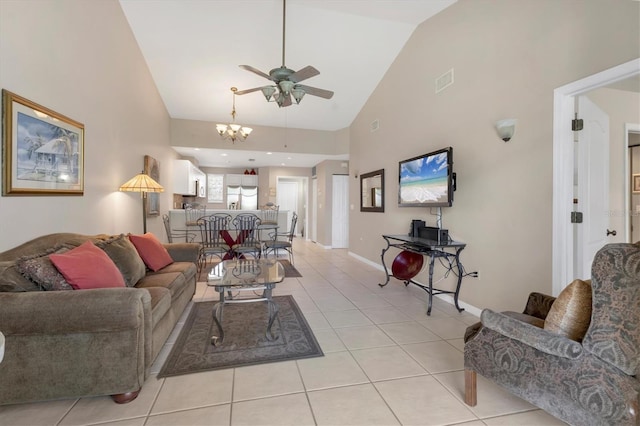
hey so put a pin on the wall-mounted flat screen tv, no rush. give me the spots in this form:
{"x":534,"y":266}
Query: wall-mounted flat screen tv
{"x":427,"y":180}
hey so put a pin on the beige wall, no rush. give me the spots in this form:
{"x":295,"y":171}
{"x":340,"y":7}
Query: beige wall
{"x":508,"y":58}
{"x":80,"y":59}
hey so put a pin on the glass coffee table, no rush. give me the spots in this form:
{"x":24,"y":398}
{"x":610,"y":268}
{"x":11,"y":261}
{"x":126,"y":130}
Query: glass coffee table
{"x":245,"y":281}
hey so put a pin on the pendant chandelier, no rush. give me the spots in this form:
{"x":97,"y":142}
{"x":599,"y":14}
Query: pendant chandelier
{"x":233,"y":131}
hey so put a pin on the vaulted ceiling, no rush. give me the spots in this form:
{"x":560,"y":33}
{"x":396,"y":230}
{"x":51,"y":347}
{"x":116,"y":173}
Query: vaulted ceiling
{"x":194,"y":48}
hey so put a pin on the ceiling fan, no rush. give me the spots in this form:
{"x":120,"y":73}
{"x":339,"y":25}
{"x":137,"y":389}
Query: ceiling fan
{"x":286,"y":80}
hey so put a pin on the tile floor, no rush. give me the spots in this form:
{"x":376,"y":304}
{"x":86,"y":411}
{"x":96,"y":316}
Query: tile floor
{"x":385,"y":363}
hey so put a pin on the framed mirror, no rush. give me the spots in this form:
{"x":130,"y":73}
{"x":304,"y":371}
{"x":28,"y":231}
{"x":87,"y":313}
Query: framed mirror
{"x":372,"y":191}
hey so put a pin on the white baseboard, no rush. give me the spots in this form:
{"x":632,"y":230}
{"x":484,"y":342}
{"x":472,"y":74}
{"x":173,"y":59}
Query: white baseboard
{"x":446,"y":297}
{"x":322,"y":246}
{"x":367,"y":261}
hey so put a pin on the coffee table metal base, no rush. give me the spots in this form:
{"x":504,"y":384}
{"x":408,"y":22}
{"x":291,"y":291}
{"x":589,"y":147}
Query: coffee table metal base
{"x":218,"y":309}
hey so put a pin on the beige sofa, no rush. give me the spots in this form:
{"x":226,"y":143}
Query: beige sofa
{"x":76,"y":343}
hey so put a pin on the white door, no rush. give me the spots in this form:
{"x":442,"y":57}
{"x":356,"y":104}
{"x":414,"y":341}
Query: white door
{"x":287,"y":198}
{"x":314,"y":212}
{"x":593,"y":185}
{"x":340,"y":212}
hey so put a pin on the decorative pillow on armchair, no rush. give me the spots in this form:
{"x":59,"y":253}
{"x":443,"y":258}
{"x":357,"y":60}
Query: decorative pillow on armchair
{"x":151,"y":250}
{"x":87,"y":266}
{"x":570,"y":313}
{"x":124,"y":255}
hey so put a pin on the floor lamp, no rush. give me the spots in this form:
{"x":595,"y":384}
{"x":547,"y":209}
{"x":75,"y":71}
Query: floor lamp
{"x":142,"y":183}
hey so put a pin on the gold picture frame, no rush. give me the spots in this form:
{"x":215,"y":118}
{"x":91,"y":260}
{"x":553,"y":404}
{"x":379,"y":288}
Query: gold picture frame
{"x":42,"y":150}
{"x":635,"y":183}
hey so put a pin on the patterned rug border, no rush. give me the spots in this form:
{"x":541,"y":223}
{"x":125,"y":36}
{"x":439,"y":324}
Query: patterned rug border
{"x":169,"y":367}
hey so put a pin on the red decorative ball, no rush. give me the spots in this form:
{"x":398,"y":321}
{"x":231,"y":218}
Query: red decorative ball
{"x":406,"y":265}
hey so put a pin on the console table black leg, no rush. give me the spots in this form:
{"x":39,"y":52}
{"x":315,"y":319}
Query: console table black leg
{"x":460,"y":271}
{"x":431,"y":262}
{"x":386,"y":271}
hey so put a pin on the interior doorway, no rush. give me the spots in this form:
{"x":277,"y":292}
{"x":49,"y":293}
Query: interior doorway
{"x":632,"y":134}
{"x":292,"y":196}
{"x":340,"y":211}
{"x":313,"y":235}
{"x":563,"y":250}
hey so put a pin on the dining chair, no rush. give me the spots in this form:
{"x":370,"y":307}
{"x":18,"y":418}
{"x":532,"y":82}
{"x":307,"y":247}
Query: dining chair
{"x":172,"y":233}
{"x":212,"y":229}
{"x":269,"y":214}
{"x":283,"y":240}
{"x":193,"y":212}
{"x":247,"y":235}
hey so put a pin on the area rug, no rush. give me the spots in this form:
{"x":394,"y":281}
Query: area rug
{"x":290,"y":271}
{"x":245,"y":342}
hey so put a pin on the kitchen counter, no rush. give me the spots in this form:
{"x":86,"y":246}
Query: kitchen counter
{"x":178,"y":219}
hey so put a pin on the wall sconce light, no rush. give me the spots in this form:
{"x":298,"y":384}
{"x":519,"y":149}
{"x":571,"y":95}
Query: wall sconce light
{"x":506,"y":128}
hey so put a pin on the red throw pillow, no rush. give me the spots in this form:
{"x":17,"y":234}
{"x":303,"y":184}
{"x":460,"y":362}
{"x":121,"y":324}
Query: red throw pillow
{"x":151,"y":250}
{"x":86,"y":266}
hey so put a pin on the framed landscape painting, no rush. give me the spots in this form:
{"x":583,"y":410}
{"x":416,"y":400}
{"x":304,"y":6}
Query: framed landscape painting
{"x":152,"y":169}
{"x":42,"y":150}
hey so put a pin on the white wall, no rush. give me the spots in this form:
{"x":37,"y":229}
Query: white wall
{"x":80,"y":59}
{"x":508,"y":57}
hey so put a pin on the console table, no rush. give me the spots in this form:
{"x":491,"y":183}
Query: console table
{"x":431,"y":249}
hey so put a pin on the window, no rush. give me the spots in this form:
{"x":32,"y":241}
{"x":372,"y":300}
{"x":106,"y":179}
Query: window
{"x":215,"y":188}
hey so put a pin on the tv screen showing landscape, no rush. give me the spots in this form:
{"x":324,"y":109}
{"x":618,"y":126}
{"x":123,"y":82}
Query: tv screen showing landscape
{"x":426,"y":180}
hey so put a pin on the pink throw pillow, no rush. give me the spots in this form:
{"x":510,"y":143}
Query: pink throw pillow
{"x":151,"y":250}
{"x":86,"y":266}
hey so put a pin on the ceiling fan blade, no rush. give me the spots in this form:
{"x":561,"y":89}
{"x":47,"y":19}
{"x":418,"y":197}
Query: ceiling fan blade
{"x":327,"y":94}
{"x":303,"y":74}
{"x":244,"y":92}
{"x":255,"y":71}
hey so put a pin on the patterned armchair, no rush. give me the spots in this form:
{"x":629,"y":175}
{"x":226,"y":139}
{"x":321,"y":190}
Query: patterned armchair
{"x":592,"y":382}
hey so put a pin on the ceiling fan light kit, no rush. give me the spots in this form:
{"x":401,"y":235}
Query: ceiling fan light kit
{"x":233,"y":131}
{"x":286,"y":80}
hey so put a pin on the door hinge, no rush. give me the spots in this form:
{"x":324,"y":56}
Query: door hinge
{"x":577,"y":124}
{"x":576,"y":217}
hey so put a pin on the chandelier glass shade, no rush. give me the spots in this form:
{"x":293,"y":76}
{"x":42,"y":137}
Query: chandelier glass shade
{"x":233,"y":131}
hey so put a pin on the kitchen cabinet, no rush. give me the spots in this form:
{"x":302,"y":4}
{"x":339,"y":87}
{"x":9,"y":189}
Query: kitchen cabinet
{"x":241,"y":180}
{"x":188,"y":179}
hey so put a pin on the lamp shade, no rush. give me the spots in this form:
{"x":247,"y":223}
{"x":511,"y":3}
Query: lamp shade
{"x":141,"y":183}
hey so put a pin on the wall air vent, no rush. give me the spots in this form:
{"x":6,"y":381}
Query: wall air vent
{"x":444,"y":81}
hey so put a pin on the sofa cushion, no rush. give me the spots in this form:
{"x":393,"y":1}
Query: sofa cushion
{"x":13,"y":280}
{"x":125,"y":256}
{"x":151,"y":250}
{"x":174,"y":281}
{"x":87,"y":266}
{"x":160,"y":303}
{"x":188,"y":269}
{"x":39,"y":269}
{"x":570,"y":313}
